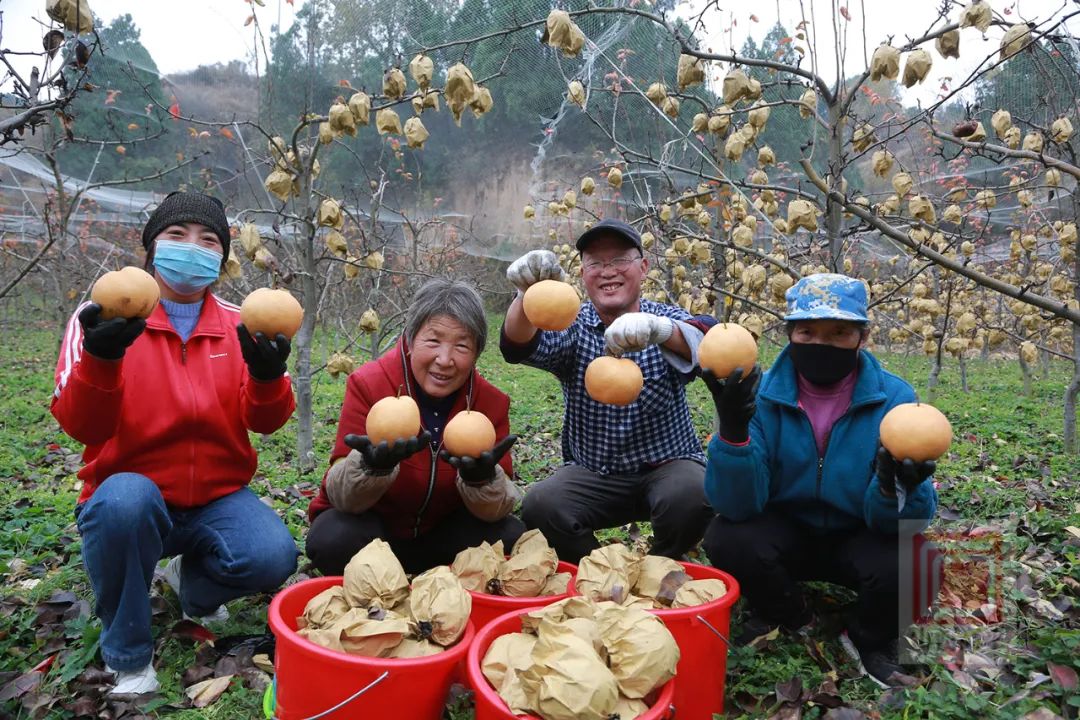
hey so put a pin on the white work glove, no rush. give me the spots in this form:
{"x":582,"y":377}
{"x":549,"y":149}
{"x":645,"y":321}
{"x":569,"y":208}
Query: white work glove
{"x":532,"y":267}
{"x":636,"y":331}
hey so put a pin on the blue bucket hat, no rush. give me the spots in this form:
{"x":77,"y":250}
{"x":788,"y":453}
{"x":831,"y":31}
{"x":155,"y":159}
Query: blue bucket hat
{"x":827,"y":296}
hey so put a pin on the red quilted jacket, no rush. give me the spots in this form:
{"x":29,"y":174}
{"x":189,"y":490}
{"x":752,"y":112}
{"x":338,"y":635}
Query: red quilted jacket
{"x":425,"y":490}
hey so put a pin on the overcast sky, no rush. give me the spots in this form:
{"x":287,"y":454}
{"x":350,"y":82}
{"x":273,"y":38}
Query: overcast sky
{"x":183,"y":35}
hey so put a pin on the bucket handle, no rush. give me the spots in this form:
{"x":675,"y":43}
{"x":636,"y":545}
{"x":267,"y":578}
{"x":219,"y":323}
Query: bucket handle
{"x":346,"y":701}
{"x":715,"y":631}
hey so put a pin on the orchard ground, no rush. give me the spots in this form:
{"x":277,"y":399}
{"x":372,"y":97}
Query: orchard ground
{"x":1004,"y":644}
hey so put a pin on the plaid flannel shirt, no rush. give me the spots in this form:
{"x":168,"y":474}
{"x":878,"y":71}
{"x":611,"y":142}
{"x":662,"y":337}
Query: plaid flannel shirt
{"x":611,"y":439}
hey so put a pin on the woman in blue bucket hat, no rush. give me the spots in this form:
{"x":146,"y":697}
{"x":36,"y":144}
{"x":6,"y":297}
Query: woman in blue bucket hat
{"x":803,"y":489}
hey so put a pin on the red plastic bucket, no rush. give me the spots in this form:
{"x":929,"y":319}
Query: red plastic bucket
{"x":489,"y":706}
{"x":703,"y":661}
{"x":486,"y":608}
{"x":312,"y":679}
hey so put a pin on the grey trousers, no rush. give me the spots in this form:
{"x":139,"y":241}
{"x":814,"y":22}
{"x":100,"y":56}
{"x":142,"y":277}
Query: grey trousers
{"x":574,"y":502}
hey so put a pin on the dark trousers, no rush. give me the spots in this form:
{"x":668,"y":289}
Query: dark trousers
{"x":336,"y":536}
{"x":574,"y":502}
{"x":770,"y":553}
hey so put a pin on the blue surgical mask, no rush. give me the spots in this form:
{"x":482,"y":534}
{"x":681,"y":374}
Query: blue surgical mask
{"x":185,"y":267}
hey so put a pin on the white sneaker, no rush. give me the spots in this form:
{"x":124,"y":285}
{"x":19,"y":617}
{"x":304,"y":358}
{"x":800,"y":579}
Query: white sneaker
{"x":171,"y":574}
{"x":135,"y":682}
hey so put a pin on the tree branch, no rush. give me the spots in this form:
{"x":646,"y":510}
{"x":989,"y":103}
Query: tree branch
{"x":1054,"y":307}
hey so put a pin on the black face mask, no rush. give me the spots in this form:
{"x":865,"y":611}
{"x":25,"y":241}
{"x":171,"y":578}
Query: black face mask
{"x":823,"y":364}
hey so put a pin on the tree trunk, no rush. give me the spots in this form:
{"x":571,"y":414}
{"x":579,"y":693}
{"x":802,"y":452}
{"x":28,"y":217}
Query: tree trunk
{"x":1025,"y":370}
{"x":1073,"y":388}
{"x":305,"y":411}
{"x":963,"y":374}
{"x":834,"y":215}
{"x":935,"y":373}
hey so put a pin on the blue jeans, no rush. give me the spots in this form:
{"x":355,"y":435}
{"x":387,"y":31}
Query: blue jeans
{"x":232,"y":547}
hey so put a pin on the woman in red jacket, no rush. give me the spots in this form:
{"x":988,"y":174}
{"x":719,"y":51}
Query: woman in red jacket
{"x":425,"y":503}
{"x":164,"y":406}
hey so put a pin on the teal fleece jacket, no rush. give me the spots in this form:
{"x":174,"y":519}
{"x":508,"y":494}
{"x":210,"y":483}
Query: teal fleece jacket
{"x":779,"y":466}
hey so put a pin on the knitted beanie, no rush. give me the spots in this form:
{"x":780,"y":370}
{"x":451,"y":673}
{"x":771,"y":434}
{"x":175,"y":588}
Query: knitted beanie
{"x":189,"y":207}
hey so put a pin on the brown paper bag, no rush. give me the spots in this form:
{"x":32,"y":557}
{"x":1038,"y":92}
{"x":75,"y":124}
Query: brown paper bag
{"x":653,"y":570}
{"x":413,"y":648}
{"x":699,"y":592}
{"x":608,"y":573}
{"x":324,"y":609}
{"x":629,"y":708}
{"x":440,"y":606}
{"x":375,"y":577}
{"x":885,"y":63}
{"x":372,"y":633}
{"x":507,"y":653}
{"x":567,"y":679}
{"x":329,"y":638}
{"x":475,"y":567}
{"x":74,"y":15}
{"x":641,"y":650}
{"x":557,"y":584}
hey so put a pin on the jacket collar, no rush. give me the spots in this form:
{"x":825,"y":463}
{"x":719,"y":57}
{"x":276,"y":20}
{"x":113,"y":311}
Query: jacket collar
{"x":210,"y":320}
{"x":781,"y":386}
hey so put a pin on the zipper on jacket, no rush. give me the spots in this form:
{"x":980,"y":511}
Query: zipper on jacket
{"x":183,"y":353}
{"x":820,"y":467}
{"x":430,"y":491}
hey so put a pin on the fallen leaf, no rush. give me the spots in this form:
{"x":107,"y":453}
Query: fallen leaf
{"x":1042,"y":714}
{"x":1073,"y":530}
{"x":203,"y":693}
{"x":27,"y":682}
{"x":787,"y":711}
{"x":844,"y":713}
{"x":790,"y":691}
{"x":1063,"y":675}
{"x":263,"y":662}
{"x":195,"y":674}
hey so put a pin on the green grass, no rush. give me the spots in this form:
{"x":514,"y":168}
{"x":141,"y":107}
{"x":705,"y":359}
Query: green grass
{"x":1006,"y":473}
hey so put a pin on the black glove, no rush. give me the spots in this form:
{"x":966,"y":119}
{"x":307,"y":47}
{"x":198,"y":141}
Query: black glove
{"x":480,"y":470}
{"x":382,"y":458}
{"x":108,"y":339}
{"x":265,"y":359}
{"x":736,"y":400}
{"x":909,"y":473}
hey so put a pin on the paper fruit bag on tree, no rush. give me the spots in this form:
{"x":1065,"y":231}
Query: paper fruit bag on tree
{"x":74,"y":15}
{"x":374,"y":577}
{"x":440,"y":606}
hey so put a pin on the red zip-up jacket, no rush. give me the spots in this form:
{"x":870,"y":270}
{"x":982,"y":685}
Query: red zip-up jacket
{"x":425,"y":490}
{"x":176,"y":412}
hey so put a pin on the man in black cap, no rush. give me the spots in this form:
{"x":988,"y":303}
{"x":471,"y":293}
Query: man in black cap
{"x":642,"y":461}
